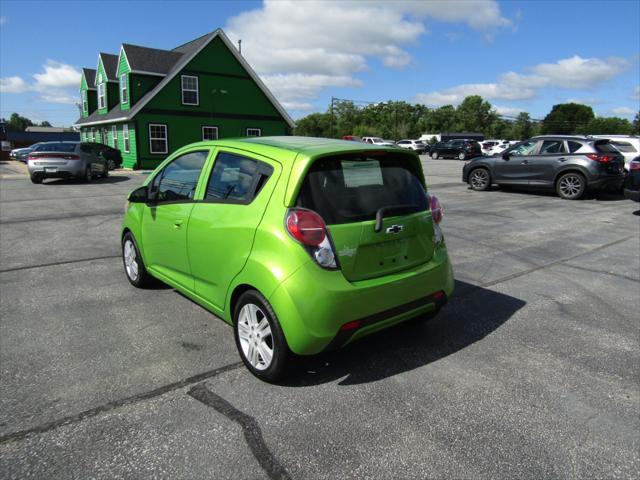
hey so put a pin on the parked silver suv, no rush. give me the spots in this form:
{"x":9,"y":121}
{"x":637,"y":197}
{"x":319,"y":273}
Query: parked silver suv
{"x":569,"y":164}
{"x":66,"y":160}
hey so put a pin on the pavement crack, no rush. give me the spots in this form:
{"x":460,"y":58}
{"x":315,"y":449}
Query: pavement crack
{"x":107,"y":407}
{"x":250,"y":428}
{"x":55,"y":264}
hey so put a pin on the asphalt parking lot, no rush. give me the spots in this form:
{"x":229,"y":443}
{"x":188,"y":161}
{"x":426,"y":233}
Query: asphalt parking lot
{"x":532,"y":370}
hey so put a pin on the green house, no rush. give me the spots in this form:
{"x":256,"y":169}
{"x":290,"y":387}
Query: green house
{"x":148,"y":102}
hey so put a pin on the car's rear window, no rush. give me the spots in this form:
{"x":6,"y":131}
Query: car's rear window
{"x":348,"y":189}
{"x":624,"y":146}
{"x":56,"y":147}
{"x":604,"y":146}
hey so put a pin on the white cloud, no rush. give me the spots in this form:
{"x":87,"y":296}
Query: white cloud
{"x":573,"y":73}
{"x":510,"y":111}
{"x":578,"y":72}
{"x":57,"y":75}
{"x":624,"y":111}
{"x":59,"y":97}
{"x":586,"y":101}
{"x":326,"y":42}
{"x":13,"y":85}
{"x":3,"y":20}
{"x":57,"y":84}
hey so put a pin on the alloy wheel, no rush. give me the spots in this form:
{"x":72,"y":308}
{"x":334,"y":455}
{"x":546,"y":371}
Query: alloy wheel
{"x":130,"y":260}
{"x":570,"y":186}
{"x":256,"y":338}
{"x":479,"y":179}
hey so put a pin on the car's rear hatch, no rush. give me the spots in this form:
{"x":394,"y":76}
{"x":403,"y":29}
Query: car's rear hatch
{"x":350,"y":190}
{"x":610,"y":157}
{"x":55,"y":154}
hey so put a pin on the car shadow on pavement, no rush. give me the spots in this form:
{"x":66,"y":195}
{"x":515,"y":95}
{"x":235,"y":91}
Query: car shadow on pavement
{"x":472,"y":313}
{"x":97,"y":181}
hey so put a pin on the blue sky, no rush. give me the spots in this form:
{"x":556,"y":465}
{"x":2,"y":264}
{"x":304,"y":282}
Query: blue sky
{"x":521,"y":56}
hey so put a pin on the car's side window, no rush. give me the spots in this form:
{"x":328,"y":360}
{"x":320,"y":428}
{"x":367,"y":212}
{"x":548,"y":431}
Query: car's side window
{"x":574,"y":146}
{"x":178,"y":180}
{"x":526,"y":148}
{"x":236,"y":179}
{"x":550,"y":147}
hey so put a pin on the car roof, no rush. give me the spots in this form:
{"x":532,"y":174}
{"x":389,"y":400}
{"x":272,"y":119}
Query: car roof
{"x":308,"y":146}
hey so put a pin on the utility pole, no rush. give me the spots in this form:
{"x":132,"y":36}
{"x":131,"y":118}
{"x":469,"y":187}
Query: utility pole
{"x":331,"y":130}
{"x":240,"y":46}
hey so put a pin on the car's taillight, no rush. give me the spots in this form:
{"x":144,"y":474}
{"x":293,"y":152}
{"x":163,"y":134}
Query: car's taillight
{"x":634,"y":166}
{"x":31,"y":157}
{"x":71,"y":157}
{"x":599,"y":157}
{"x":437,"y":211}
{"x":308,"y":228}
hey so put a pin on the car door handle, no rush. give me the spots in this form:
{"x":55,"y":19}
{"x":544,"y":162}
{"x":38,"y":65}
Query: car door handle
{"x":177,"y":223}
{"x":525,"y":162}
{"x":562,"y":159}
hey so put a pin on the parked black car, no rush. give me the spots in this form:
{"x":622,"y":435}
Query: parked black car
{"x":569,"y":164}
{"x":460,"y":149}
{"x":632,"y":183}
{"x":113,"y":156}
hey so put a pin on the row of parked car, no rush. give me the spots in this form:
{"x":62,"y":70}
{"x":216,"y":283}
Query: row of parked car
{"x":113,"y":156}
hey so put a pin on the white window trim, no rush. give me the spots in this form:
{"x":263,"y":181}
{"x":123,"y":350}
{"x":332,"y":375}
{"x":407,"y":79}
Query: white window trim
{"x":114,"y":135}
{"x":93,"y":134}
{"x":85,"y":102}
{"x":125,"y":138}
{"x":182,"y":89}
{"x":165,"y":139}
{"x":123,"y":88}
{"x":209,"y":126}
{"x":259,"y":130}
{"x":102,"y":99}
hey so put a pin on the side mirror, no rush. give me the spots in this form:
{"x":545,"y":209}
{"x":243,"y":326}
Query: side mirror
{"x":506,"y":155}
{"x":139,"y":195}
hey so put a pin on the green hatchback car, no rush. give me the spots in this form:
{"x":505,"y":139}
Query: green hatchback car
{"x":302,"y":244}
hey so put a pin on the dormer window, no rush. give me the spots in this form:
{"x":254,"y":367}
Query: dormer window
{"x":190,"y":90}
{"x":101,"y":96}
{"x":124,"y":93}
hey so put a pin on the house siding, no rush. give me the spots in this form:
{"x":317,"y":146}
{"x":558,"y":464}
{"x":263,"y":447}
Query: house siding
{"x":229,"y":99}
{"x":123,"y":68}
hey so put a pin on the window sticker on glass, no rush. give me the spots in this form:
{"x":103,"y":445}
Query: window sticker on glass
{"x":362,"y":173}
{"x":230,"y":174}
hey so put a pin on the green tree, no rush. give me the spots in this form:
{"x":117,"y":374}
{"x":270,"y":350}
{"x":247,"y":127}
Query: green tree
{"x":522,"y":128}
{"x":636,"y":124}
{"x":18,"y":122}
{"x":567,"y":118}
{"x":314,"y":125}
{"x":45,"y":124}
{"x":475,"y":115}
{"x":607,"y":126}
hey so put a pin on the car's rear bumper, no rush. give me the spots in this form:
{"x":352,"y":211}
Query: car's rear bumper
{"x":70,"y":168}
{"x":314,"y":304}
{"x":632,"y":194}
{"x":609,"y":182}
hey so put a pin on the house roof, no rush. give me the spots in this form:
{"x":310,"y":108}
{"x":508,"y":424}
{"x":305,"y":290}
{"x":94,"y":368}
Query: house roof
{"x":188,"y":51}
{"x":152,"y":60}
{"x":90,"y":77}
{"x":110,"y":64}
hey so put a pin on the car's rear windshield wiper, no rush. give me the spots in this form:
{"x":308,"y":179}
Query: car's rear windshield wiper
{"x":381,"y":211}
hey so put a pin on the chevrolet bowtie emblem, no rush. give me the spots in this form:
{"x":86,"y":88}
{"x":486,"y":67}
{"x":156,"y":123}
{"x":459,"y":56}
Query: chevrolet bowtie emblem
{"x":394,"y":229}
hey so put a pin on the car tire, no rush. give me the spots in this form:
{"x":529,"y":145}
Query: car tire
{"x":571,"y":186}
{"x":105,"y":173}
{"x":111,"y":164}
{"x":255,"y":321}
{"x":461,"y":156}
{"x":133,"y":264}
{"x":36,"y":179}
{"x":479,"y":179}
{"x":434,"y":155}
{"x":88,"y":175}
